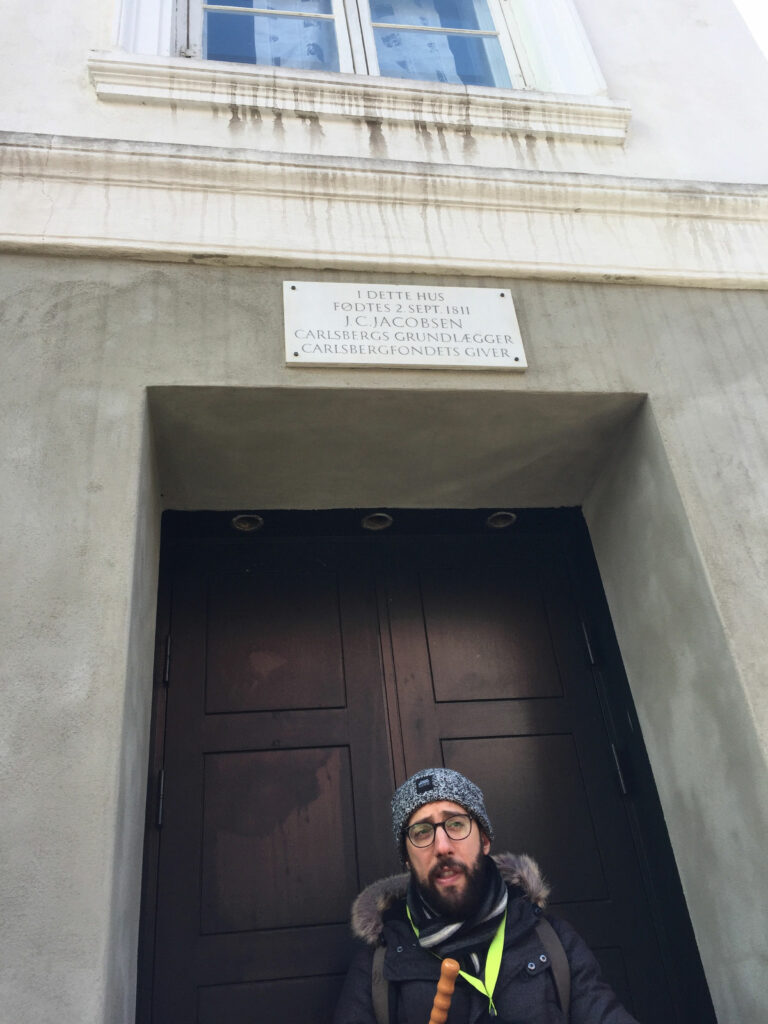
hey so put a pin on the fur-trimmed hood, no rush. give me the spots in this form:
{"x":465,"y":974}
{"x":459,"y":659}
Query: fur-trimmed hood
{"x":368,"y":909}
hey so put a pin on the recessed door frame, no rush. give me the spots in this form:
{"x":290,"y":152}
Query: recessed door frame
{"x":567,"y":530}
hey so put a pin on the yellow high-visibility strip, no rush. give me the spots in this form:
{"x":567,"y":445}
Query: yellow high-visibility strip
{"x":492,"y":963}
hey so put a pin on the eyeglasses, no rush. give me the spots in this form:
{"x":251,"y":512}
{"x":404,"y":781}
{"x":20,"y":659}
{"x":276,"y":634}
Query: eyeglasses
{"x":422,"y":833}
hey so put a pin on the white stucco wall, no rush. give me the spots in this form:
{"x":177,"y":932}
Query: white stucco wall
{"x":697,"y":82}
{"x":678,"y":504}
{"x":694,"y":78}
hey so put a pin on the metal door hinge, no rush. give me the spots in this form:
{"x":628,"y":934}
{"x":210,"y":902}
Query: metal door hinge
{"x":588,"y":644}
{"x":167,"y":662}
{"x":619,"y":771}
{"x":160,"y":797}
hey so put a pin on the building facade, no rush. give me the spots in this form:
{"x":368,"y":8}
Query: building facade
{"x":603,"y":165}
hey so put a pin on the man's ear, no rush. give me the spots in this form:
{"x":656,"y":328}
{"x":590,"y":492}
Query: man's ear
{"x":486,"y":842}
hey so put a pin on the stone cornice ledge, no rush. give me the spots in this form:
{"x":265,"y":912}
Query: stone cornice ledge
{"x":181,"y":82}
{"x":201,"y":204}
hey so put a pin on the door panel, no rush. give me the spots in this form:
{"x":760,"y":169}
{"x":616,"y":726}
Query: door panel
{"x":300,"y":1001}
{"x":253,"y":660}
{"x":275,"y":714}
{"x":311,"y":674}
{"x":261,"y":810}
{"x":487,"y":635}
{"x":548,"y":811}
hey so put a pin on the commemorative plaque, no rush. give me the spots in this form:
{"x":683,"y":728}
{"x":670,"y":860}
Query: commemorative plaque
{"x":401,"y":325}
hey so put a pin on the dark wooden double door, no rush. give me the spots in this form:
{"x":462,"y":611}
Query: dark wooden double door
{"x":305,"y":678}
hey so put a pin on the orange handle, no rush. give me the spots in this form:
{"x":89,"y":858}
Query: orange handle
{"x":442,"y":1004}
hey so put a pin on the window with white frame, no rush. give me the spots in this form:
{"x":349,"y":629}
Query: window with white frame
{"x":463,"y":42}
{"x":532,"y":53}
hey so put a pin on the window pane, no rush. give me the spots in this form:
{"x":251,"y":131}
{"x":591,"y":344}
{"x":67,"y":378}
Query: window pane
{"x":307,"y":42}
{"x":439,"y":13}
{"x":441,"y":57}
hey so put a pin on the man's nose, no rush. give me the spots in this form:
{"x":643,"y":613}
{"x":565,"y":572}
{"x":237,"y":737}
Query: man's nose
{"x":442,"y":842}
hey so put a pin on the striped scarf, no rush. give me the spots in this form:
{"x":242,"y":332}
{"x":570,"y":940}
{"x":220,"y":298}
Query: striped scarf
{"x":460,"y":938}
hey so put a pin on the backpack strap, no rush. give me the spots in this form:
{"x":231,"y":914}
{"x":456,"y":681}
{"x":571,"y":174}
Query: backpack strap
{"x":379,"y":987}
{"x":561,"y":969}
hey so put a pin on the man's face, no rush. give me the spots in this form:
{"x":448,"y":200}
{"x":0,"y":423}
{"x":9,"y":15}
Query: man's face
{"x":450,"y":872}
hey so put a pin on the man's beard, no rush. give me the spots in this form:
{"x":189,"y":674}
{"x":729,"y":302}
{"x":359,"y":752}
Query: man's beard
{"x":455,"y":906}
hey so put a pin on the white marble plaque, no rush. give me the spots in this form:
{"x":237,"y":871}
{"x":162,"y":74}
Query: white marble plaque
{"x":334,"y":324}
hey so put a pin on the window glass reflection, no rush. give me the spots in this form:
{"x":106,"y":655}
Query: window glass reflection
{"x":425,"y":53}
{"x":277,"y":40}
{"x":466,"y":14}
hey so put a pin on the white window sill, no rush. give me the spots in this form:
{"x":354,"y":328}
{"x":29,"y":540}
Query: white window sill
{"x":170,"y":81}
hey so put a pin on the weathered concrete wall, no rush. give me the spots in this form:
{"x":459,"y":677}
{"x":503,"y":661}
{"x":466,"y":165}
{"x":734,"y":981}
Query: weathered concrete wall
{"x":131,"y":778}
{"x":684,"y":681}
{"x":677,"y":516}
{"x":78,"y":571}
{"x":346,"y":447}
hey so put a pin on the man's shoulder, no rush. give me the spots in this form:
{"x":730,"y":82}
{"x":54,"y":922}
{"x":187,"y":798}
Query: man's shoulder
{"x":523,"y":875}
{"x":375,"y":907}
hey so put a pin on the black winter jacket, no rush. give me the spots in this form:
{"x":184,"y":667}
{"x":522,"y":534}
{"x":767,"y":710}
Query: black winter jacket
{"x":525,"y":991}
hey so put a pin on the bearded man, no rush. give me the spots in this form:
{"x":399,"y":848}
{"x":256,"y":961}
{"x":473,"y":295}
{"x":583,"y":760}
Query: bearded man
{"x":517,"y":966}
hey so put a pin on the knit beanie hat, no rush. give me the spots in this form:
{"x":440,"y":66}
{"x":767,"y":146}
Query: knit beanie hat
{"x":434,"y":784}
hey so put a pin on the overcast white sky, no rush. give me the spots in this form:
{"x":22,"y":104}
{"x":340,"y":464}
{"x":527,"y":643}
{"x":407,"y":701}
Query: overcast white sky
{"x":755,"y":13}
